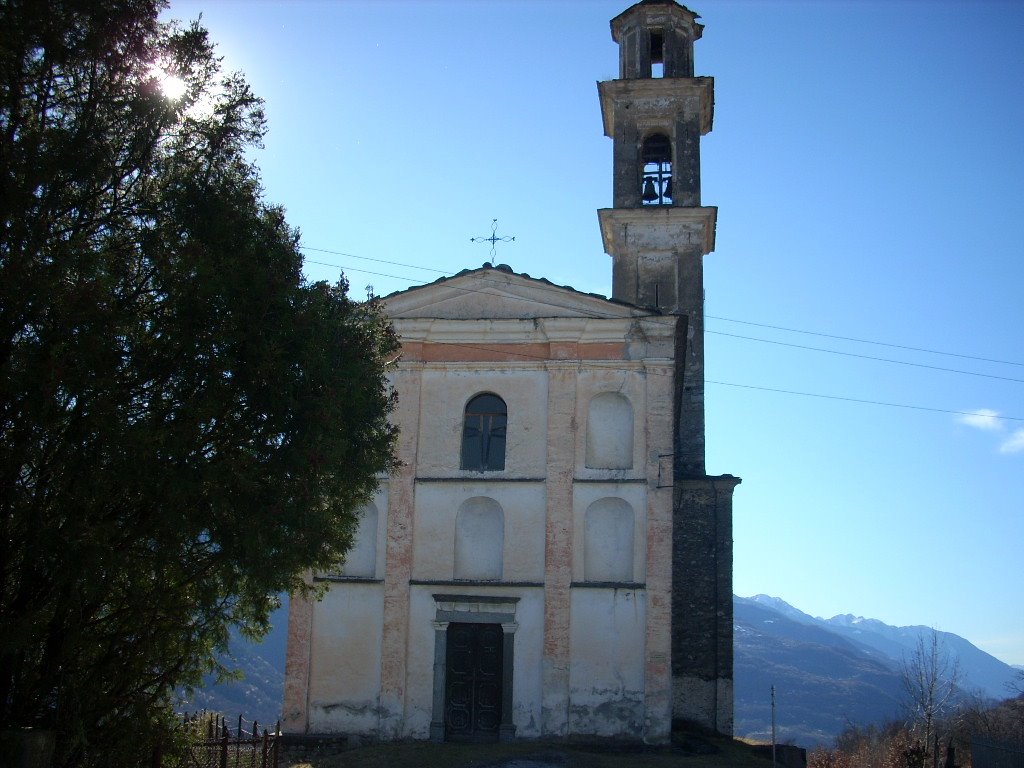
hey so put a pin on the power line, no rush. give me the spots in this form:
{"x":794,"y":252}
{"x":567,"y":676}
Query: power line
{"x":367,"y":258}
{"x":543,"y":285}
{"x":552,"y":287}
{"x":654,"y":318}
{"x":865,"y":341}
{"x":361,"y":271}
{"x":753,"y":338}
{"x":858,"y":400}
{"x":712,"y":317}
{"x":868,"y":357}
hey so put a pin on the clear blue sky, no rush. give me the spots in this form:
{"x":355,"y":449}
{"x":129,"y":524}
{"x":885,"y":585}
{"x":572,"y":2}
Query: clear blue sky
{"x":867,"y":160}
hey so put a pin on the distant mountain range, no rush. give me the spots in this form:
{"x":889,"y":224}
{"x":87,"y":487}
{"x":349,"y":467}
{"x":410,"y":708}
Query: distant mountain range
{"x":827,"y":673}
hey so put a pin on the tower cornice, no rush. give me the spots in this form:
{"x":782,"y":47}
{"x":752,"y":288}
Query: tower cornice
{"x":658,"y":229}
{"x":650,"y":95}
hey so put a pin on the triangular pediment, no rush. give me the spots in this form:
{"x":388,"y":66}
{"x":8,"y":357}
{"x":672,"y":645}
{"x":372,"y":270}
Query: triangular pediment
{"x":497,"y":293}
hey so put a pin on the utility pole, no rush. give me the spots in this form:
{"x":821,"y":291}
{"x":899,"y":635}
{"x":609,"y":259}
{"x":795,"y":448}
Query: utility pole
{"x":773,"y":726}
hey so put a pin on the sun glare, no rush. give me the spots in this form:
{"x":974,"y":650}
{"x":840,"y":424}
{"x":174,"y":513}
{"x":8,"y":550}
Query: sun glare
{"x":173,"y":87}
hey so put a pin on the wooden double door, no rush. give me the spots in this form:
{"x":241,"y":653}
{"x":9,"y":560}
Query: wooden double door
{"x":473,"y":679}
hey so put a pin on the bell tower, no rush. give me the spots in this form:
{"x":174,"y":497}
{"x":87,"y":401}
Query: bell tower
{"x":657,"y":234}
{"x":656,"y":113}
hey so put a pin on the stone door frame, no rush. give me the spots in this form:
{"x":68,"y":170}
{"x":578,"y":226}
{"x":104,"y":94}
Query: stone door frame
{"x":473,"y":609}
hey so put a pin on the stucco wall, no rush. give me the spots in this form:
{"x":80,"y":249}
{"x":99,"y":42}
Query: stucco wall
{"x":437,"y":505}
{"x":448,"y":388}
{"x":625,"y":378}
{"x":634,"y":494}
{"x":345,"y":659}
{"x":606,"y":675}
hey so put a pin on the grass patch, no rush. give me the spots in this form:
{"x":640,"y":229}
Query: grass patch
{"x":688,"y":751}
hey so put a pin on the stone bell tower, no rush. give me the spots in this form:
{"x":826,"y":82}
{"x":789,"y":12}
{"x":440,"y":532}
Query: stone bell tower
{"x":657,"y":234}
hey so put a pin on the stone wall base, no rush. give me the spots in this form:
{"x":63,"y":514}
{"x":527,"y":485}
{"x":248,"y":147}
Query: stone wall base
{"x":707,"y":703}
{"x":304,"y":747}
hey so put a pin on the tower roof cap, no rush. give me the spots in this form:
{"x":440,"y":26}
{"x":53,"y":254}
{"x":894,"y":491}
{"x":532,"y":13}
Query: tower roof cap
{"x":658,"y":7}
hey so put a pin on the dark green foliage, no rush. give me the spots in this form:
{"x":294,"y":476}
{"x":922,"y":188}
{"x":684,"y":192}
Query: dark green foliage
{"x":186,"y":425}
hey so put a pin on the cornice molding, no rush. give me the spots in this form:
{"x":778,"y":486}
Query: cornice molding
{"x":646,"y":96}
{"x":657,"y":228}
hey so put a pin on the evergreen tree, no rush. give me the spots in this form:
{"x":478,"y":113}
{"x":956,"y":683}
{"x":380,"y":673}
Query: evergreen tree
{"x":186,"y":424}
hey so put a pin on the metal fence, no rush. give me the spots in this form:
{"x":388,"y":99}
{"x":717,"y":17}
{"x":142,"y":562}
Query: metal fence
{"x":213,"y":744}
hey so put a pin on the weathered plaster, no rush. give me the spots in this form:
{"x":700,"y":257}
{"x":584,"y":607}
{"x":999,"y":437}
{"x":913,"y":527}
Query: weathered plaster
{"x":345,"y":674}
{"x":585,"y":494}
{"x":658,"y":635}
{"x":448,"y":390}
{"x":294,"y":714}
{"x":606,"y":681}
{"x":398,"y":568}
{"x":437,"y":508}
{"x":561,"y":408}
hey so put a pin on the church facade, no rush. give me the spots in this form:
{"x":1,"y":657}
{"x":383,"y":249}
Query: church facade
{"x":550,"y":558}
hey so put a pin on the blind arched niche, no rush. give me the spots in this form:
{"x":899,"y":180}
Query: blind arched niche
{"x":361,"y":560}
{"x":608,"y":541}
{"x":610,"y":432}
{"x":479,"y":539}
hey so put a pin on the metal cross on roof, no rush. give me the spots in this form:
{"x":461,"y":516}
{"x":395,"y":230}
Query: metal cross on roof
{"x":493,"y":239}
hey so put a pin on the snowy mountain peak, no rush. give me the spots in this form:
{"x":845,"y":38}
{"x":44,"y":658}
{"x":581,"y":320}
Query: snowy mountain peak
{"x":779,"y":605}
{"x":771,"y":602}
{"x":980,"y":669}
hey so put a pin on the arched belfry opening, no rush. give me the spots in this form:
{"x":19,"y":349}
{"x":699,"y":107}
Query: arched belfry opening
{"x":656,"y":160}
{"x":657,"y":54}
{"x":656,"y":40}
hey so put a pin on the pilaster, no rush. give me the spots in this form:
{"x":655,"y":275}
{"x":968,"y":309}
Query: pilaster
{"x":295,"y":711}
{"x":561,"y":431}
{"x":399,"y":557}
{"x":507,"y":729}
{"x":658,"y":576}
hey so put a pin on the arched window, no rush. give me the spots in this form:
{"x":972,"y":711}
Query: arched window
{"x":656,"y":156}
{"x":483,"y":433}
{"x":608,"y":541}
{"x":479,"y":539}
{"x":609,"y":432}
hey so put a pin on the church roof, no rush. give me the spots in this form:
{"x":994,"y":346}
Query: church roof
{"x":550,"y":293}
